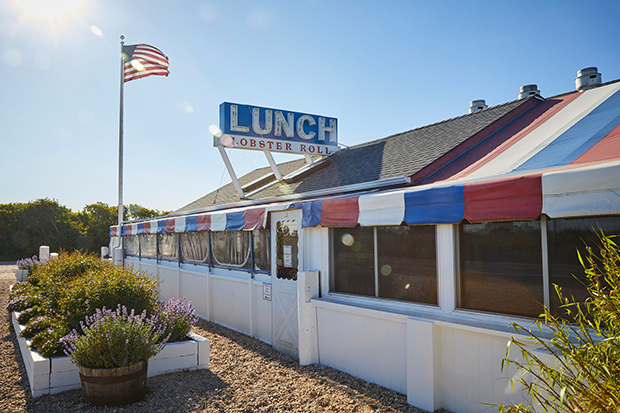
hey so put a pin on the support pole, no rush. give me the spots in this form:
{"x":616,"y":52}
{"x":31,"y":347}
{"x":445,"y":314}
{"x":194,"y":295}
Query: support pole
{"x":231,"y":172}
{"x":120,"y":143}
{"x":274,"y":166}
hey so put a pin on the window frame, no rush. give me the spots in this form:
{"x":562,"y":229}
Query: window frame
{"x":377,"y":298}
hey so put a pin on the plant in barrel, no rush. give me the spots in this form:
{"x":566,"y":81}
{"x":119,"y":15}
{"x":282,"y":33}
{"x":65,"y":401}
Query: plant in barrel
{"x":112,"y":353}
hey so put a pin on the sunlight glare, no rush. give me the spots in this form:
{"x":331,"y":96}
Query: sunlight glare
{"x":215,"y":131}
{"x":97,"y":31}
{"x":137,"y":65}
{"x":51,"y":10}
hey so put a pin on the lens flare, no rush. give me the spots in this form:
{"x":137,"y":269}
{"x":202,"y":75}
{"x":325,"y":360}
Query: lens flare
{"x":407,"y":286}
{"x":347,"y":239}
{"x":137,"y":65}
{"x":215,"y":131}
{"x":227,"y":140}
{"x":97,"y":31}
{"x":189,"y":108}
{"x":285,"y":189}
{"x":386,"y":270}
{"x":356,"y":246}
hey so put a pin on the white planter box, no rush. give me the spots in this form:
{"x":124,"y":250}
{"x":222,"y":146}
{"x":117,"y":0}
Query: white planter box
{"x":57,"y":374}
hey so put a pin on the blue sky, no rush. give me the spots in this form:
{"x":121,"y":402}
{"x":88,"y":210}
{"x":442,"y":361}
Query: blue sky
{"x":380,"y":67}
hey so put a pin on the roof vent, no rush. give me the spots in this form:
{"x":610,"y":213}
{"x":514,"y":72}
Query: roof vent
{"x":588,"y":78}
{"x":476,"y":105}
{"x":528,"y":90}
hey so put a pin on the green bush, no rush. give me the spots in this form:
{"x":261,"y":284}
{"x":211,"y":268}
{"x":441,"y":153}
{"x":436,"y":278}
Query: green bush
{"x":107,"y":287}
{"x":54,"y":276}
{"x":36,"y":325}
{"x":48,"y":342}
{"x":30,"y":313}
{"x":24,"y":301}
{"x":585,"y":346}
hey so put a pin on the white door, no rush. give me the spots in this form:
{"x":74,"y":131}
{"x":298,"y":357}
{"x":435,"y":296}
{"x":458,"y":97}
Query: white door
{"x":286,"y":260}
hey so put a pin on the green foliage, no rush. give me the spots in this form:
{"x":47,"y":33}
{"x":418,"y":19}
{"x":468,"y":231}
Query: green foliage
{"x":135,"y":211}
{"x":26,"y":226}
{"x":55,"y":275}
{"x":48,"y":342}
{"x":30,"y":313}
{"x":115,"y":339}
{"x":96,"y":220}
{"x":107,"y":287}
{"x":584,"y":372}
{"x":38,"y":324}
{"x":21,"y":302}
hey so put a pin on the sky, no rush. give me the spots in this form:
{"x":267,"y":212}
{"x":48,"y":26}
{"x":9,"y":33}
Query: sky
{"x":379,"y":67}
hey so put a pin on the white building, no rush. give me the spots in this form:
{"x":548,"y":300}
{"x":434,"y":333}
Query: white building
{"x":404,"y":260}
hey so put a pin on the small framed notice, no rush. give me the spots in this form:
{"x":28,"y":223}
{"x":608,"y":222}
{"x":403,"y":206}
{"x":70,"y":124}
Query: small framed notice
{"x":266,"y":291}
{"x":288,"y":256}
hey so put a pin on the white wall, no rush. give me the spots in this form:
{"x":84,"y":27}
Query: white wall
{"x":230,"y":298}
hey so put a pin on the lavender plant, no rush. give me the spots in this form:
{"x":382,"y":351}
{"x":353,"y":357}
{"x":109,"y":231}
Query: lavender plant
{"x":113,"y":339}
{"x":177,"y":317}
{"x":28,"y":264}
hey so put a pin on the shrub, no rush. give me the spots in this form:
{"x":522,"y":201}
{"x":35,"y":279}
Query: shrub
{"x":115,"y":339}
{"x":177,"y":317}
{"x":107,"y":287}
{"x":24,"y":301}
{"x":56,"y":274}
{"x":30,"y":313}
{"x":36,"y":325}
{"x":586,"y":353}
{"x":48,"y":342}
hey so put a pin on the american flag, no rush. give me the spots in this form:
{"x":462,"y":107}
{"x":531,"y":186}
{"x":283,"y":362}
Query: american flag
{"x":142,"y":60}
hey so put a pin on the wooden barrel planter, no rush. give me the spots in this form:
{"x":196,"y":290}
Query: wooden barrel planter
{"x":117,"y":386}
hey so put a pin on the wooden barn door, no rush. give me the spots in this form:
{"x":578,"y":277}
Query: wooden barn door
{"x":286,"y":260}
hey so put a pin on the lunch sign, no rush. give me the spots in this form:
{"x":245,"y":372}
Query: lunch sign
{"x":275,"y":130}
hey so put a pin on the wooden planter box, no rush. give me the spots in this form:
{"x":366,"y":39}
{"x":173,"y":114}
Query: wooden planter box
{"x":58,"y":374}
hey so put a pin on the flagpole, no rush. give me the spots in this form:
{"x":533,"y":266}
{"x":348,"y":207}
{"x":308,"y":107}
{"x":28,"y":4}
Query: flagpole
{"x":120,"y":144}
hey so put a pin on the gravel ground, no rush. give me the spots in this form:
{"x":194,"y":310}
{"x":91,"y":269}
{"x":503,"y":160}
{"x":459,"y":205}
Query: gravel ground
{"x":244,"y":375}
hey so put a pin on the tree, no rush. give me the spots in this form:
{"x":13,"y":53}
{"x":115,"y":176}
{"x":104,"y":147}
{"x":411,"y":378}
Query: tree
{"x":135,"y":211}
{"x":96,"y":221}
{"x":584,"y":372}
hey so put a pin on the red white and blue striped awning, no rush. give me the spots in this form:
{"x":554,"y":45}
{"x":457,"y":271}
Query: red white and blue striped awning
{"x":561,"y":158}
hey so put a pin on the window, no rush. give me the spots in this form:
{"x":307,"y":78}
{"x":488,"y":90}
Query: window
{"x":148,"y":245}
{"x":400,"y":265}
{"x":564,"y":238}
{"x":231,"y":248}
{"x":194,"y":246}
{"x":353,"y":260}
{"x":501,"y":267}
{"x":132,"y":247}
{"x":407,"y":263}
{"x":168,"y":247}
{"x":262,"y":250}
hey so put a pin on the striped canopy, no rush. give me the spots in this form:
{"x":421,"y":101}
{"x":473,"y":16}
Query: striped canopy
{"x":561,"y":158}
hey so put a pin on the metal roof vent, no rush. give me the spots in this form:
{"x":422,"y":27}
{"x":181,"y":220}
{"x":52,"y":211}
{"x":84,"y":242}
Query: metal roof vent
{"x":476,"y":105}
{"x":528,"y":90}
{"x":588,"y":78}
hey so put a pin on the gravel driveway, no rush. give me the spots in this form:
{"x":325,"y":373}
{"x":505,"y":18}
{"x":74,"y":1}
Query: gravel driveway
{"x":244,"y":375}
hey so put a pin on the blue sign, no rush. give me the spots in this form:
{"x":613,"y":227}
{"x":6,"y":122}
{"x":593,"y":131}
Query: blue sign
{"x":247,"y":121}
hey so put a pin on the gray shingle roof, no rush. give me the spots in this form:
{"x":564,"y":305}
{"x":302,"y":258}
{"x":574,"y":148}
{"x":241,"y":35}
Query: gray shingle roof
{"x":401,"y":155}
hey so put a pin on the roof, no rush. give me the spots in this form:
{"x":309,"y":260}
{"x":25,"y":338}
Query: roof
{"x":558,"y":156}
{"x":401,"y":155}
